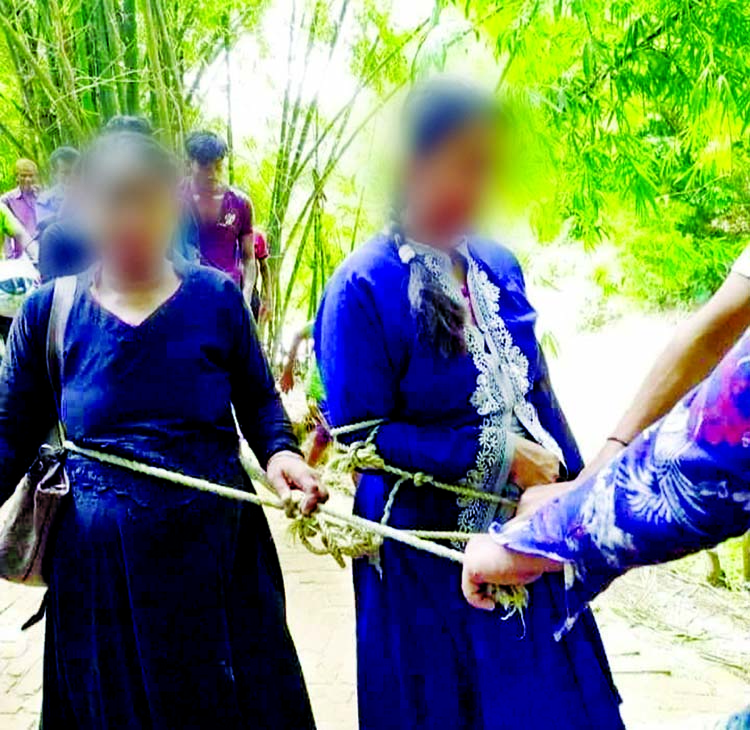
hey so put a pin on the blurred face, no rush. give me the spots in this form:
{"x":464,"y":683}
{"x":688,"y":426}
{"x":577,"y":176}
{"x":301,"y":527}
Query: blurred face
{"x":446,"y":187}
{"x":131,"y":214}
{"x":208,"y":176}
{"x":26,"y":175}
{"x":64,"y":173}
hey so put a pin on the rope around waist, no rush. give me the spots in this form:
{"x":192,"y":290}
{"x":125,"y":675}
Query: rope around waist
{"x":341,"y":534}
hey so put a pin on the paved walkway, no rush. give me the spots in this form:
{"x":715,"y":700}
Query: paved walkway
{"x":664,"y":684}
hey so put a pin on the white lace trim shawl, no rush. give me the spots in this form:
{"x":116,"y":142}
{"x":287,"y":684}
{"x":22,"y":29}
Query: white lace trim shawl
{"x":500,"y":397}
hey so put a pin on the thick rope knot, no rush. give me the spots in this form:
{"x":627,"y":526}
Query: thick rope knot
{"x":420,"y":479}
{"x":327,"y":530}
{"x":359,"y":456}
{"x":325,"y":537}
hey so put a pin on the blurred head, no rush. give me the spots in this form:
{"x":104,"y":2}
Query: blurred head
{"x":130,"y":208}
{"x":129,"y":123}
{"x":450,"y":157}
{"x":62,"y":163}
{"x":206,"y":152}
{"x":27,"y":174}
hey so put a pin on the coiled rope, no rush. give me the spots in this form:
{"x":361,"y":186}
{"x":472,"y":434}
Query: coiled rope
{"x":337,"y":533}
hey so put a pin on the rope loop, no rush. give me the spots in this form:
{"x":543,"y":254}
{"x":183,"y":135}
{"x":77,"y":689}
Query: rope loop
{"x":327,"y":531}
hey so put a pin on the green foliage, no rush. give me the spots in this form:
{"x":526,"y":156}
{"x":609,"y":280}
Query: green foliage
{"x":629,"y":118}
{"x":671,"y":262}
{"x":73,"y":64}
{"x":632,"y":97}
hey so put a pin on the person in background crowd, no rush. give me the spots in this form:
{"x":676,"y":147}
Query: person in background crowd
{"x":22,"y":200}
{"x":262,"y":301}
{"x":166,"y":604}
{"x":314,"y":421}
{"x":12,"y":230}
{"x":62,"y":163}
{"x":63,"y":245}
{"x":218,"y":220}
{"x":427,"y":328}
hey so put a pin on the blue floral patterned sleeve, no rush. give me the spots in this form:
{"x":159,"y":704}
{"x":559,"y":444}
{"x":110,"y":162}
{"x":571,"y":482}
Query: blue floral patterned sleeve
{"x":682,"y":486}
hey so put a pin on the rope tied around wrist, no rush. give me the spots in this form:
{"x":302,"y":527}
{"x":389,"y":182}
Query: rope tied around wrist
{"x":328,"y":531}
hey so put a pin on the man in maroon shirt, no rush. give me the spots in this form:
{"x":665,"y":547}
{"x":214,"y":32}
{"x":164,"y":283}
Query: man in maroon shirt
{"x":219,"y":225}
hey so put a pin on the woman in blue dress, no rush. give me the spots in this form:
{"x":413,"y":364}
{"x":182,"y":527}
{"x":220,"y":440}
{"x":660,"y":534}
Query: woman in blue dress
{"x":165,"y":605}
{"x":428,"y":327}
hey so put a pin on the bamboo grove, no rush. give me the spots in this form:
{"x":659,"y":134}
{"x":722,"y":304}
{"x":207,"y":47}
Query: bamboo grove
{"x":624,"y":105}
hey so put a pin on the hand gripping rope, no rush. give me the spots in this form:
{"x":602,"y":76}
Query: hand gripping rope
{"x":328,"y":530}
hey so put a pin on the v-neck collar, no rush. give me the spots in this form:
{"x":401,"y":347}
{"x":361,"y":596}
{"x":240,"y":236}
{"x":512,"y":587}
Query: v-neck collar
{"x":194,"y":202}
{"x":183,"y":273}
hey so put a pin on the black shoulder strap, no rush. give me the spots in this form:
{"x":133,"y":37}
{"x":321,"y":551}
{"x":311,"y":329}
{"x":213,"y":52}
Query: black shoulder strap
{"x":62,"y":303}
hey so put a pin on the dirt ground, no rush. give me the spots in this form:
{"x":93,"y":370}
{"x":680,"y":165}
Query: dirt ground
{"x":665,"y":680}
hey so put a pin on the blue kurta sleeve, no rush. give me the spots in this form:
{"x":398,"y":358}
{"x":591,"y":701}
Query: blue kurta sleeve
{"x":27,"y":407}
{"x":682,"y":486}
{"x":361,"y":353}
{"x":260,"y":413}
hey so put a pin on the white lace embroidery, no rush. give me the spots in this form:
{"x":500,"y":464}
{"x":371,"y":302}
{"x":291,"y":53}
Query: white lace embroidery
{"x":500,"y":394}
{"x":513,"y":365}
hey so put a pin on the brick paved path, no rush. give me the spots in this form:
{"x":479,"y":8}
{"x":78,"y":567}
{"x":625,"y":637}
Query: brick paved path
{"x":665,"y":686}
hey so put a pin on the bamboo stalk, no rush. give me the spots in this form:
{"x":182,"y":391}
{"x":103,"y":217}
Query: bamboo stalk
{"x":115,"y":52}
{"x":107,"y":95}
{"x":158,"y":87}
{"x":42,"y":77}
{"x":171,"y":70}
{"x":129,"y":32}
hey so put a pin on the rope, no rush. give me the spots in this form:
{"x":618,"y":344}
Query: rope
{"x":354,"y":427}
{"x":364,"y":456}
{"x":308,"y":527}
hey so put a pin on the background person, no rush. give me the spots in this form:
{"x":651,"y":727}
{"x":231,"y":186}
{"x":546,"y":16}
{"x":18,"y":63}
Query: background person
{"x":22,"y":201}
{"x":410,"y":331}
{"x":262,"y":299}
{"x":12,"y":229}
{"x":18,"y":279}
{"x":62,"y":163}
{"x":64,"y":248}
{"x":218,"y":225}
{"x":136,"y":123}
{"x":165,"y":604}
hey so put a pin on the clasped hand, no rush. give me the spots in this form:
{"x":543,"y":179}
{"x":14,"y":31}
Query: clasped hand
{"x":487,"y":562}
{"x":289,"y":474}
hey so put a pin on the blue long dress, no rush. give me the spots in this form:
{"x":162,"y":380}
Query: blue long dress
{"x":425,"y":658}
{"x":166,"y":605}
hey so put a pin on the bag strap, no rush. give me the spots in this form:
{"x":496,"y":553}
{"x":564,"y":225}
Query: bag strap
{"x":62,"y":302}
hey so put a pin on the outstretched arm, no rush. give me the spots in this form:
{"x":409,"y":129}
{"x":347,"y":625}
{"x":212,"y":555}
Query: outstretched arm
{"x":695,"y":350}
{"x":683,"y":486}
